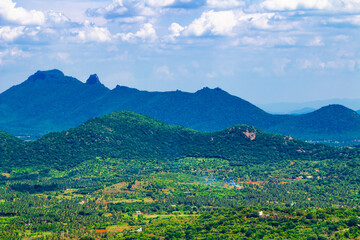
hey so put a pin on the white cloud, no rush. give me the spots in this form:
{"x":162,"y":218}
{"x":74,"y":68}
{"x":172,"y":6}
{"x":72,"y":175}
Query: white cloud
{"x":354,"y":20}
{"x":91,"y":33}
{"x":224,"y":4}
{"x":175,"y":30}
{"x":57,"y":18}
{"x":18,"y":15}
{"x":257,"y":20}
{"x":212,"y":23}
{"x":224,"y":23}
{"x":328,"y":5}
{"x":130,"y":10}
{"x":316,"y":41}
{"x":146,"y":33}
{"x":13,"y":53}
{"x":9,"y":34}
{"x":268,"y":41}
{"x":282,"y":5}
{"x":334,"y":64}
{"x":164,"y":72}
{"x":160,"y":3}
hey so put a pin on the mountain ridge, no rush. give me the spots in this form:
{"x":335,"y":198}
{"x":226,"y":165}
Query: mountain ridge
{"x":50,"y":101}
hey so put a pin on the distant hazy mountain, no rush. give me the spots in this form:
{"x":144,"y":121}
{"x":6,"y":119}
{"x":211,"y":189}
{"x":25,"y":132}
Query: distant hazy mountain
{"x":50,"y":101}
{"x":302,"y":111}
{"x":292,"y":107}
{"x":330,"y":122}
{"x":128,"y":135}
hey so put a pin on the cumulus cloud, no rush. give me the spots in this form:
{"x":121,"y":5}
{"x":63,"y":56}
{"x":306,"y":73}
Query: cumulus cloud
{"x":175,"y":30}
{"x":186,"y":4}
{"x":212,"y":23}
{"x":57,"y":18}
{"x":224,"y":3}
{"x":9,"y":34}
{"x":258,"y":20}
{"x":131,"y":10}
{"x":13,"y":53}
{"x":146,"y":33}
{"x":160,"y":3}
{"x":18,"y":15}
{"x":329,"y":5}
{"x":92,"y":33}
{"x":224,"y":23}
{"x":281,"y":5}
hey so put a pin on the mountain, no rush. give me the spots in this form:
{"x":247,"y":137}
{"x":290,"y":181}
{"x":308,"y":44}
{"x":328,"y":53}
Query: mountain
{"x":302,"y":111}
{"x":37,"y":106}
{"x":49,"y":101}
{"x":329,"y":122}
{"x":289,"y":107}
{"x":129,"y":135}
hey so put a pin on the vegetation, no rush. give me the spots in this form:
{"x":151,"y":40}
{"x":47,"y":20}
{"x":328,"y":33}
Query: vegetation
{"x":196,"y":198}
{"x":129,"y":135}
{"x":128,"y":176}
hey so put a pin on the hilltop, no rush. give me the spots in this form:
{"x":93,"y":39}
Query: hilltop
{"x":129,"y":135}
{"x":329,"y":122}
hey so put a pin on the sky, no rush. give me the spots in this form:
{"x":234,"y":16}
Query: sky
{"x":263,"y":51}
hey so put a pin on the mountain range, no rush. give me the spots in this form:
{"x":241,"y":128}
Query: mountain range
{"x":306,"y":107}
{"x":49,"y":101}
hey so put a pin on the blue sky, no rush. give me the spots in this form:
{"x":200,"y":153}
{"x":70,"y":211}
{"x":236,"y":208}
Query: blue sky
{"x":261,"y":50}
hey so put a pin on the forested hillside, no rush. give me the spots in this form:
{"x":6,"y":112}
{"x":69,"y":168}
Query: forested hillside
{"x":128,"y":135}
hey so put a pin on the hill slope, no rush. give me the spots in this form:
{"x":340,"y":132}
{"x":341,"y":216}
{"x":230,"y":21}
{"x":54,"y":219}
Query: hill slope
{"x":10,"y":148}
{"x":129,"y":135}
{"x":330,"y":122}
{"x":50,"y":101}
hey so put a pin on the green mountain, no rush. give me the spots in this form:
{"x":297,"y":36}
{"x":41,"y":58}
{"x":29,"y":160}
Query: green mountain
{"x":330,"y":122}
{"x":129,"y":135}
{"x":49,"y":101}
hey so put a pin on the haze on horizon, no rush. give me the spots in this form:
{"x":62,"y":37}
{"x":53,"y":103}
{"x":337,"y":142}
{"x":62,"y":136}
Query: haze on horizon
{"x":263,"y":50}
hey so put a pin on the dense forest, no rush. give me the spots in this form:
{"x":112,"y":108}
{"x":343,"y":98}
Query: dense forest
{"x":128,"y":135}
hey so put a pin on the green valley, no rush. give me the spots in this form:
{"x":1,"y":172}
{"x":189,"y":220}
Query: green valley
{"x":128,"y":176}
